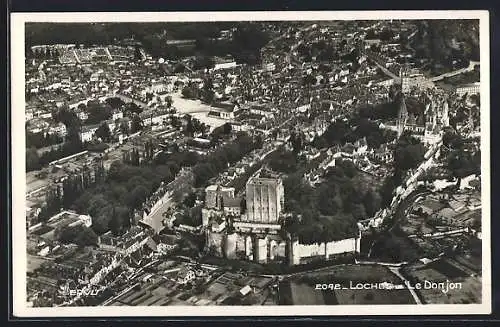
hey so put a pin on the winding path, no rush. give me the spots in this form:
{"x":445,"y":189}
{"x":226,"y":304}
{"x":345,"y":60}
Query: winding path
{"x":406,"y":282}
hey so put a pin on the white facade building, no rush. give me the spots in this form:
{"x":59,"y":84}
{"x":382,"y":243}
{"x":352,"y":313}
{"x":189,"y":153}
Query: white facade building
{"x":473,"y":88}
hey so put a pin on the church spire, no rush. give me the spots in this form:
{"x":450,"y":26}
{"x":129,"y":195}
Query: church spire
{"x":445,"y":119}
{"x":402,"y":115}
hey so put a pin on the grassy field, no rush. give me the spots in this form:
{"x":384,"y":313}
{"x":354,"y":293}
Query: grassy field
{"x":35,"y":262}
{"x":374,"y":297}
{"x":464,"y":78}
{"x":298,"y":293}
{"x":303,"y":294}
{"x":447,"y":271}
{"x":302,"y":290}
{"x":470,"y":292}
{"x":355,"y":273}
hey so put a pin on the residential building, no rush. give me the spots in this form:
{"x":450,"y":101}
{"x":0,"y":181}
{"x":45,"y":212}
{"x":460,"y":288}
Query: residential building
{"x":117,"y":115}
{"x":473,"y":88}
{"x":59,"y":129}
{"x":88,"y":132}
{"x":185,"y":275}
{"x":382,"y":154}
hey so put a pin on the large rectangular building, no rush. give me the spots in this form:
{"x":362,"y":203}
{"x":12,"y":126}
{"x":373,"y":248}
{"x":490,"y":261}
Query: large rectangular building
{"x":264,"y":198}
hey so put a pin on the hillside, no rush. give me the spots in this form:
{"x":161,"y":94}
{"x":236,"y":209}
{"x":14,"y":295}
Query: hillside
{"x":245,"y":44}
{"x":445,"y":41}
{"x":105,"y":33}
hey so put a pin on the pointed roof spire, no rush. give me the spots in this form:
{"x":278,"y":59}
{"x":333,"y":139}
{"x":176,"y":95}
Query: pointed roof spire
{"x":403,"y":112}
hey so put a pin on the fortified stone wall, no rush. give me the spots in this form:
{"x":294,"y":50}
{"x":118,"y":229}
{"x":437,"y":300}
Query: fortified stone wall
{"x":301,"y":252}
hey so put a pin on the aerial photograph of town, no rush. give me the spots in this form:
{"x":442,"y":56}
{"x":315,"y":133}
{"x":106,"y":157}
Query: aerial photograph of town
{"x":259,"y":163}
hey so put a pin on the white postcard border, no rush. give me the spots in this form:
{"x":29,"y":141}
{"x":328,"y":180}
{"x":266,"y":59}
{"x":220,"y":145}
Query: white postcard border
{"x":19,"y":255}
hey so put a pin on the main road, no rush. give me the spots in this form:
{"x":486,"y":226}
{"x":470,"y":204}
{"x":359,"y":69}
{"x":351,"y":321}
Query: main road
{"x":469,"y":68}
{"x":383,"y":68}
{"x":155,"y":218}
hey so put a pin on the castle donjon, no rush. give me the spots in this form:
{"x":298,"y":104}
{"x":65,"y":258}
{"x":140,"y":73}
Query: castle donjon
{"x":257,"y":234}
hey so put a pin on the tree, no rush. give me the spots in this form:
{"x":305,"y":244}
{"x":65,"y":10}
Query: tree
{"x":95,"y":203}
{"x":32,"y":160}
{"x":100,"y":221}
{"x":476,"y":99}
{"x":41,"y":140}
{"x":53,"y":204}
{"x":328,"y":204}
{"x":386,"y":34}
{"x":372,"y":202}
{"x":203,"y":172}
{"x":227,"y":128}
{"x":98,"y":112}
{"x":452,"y":139}
{"x":189,"y":200}
{"x":132,"y":108}
{"x":282,"y":161}
{"x":409,"y":157}
{"x":359,"y":212}
{"x":303,"y":50}
{"x":189,"y":130}
{"x":179,"y":68}
{"x":137,"y":196}
{"x":409,"y":152}
{"x":297,"y":143}
{"x":137,"y":53}
{"x":202,"y":62}
{"x":386,"y":110}
{"x":248,"y":39}
{"x":462,"y":163}
{"x":165,"y":173}
{"x":115,"y":169}
{"x":136,"y":124}
{"x":387,"y":190}
{"x":72,"y":123}
{"x":208,"y":92}
{"x":115,"y":102}
{"x":119,"y":220}
{"x":168,"y":101}
{"x":192,"y":217}
{"x":336,"y":132}
{"x":309,"y":79}
{"x":103,"y":132}
{"x":79,"y":234}
{"x":124,"y":129}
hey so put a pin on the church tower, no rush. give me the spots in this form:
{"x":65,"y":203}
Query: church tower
{"x":218,"y":199}
{"x":405,"y":80}
{"x":430,"y":121}
{"x":470,"y":121}
{"x":445,"y":118}
{"x":402,"y":115}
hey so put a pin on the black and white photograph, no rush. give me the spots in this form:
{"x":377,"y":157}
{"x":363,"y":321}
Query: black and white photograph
{"x":236,"y":163}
